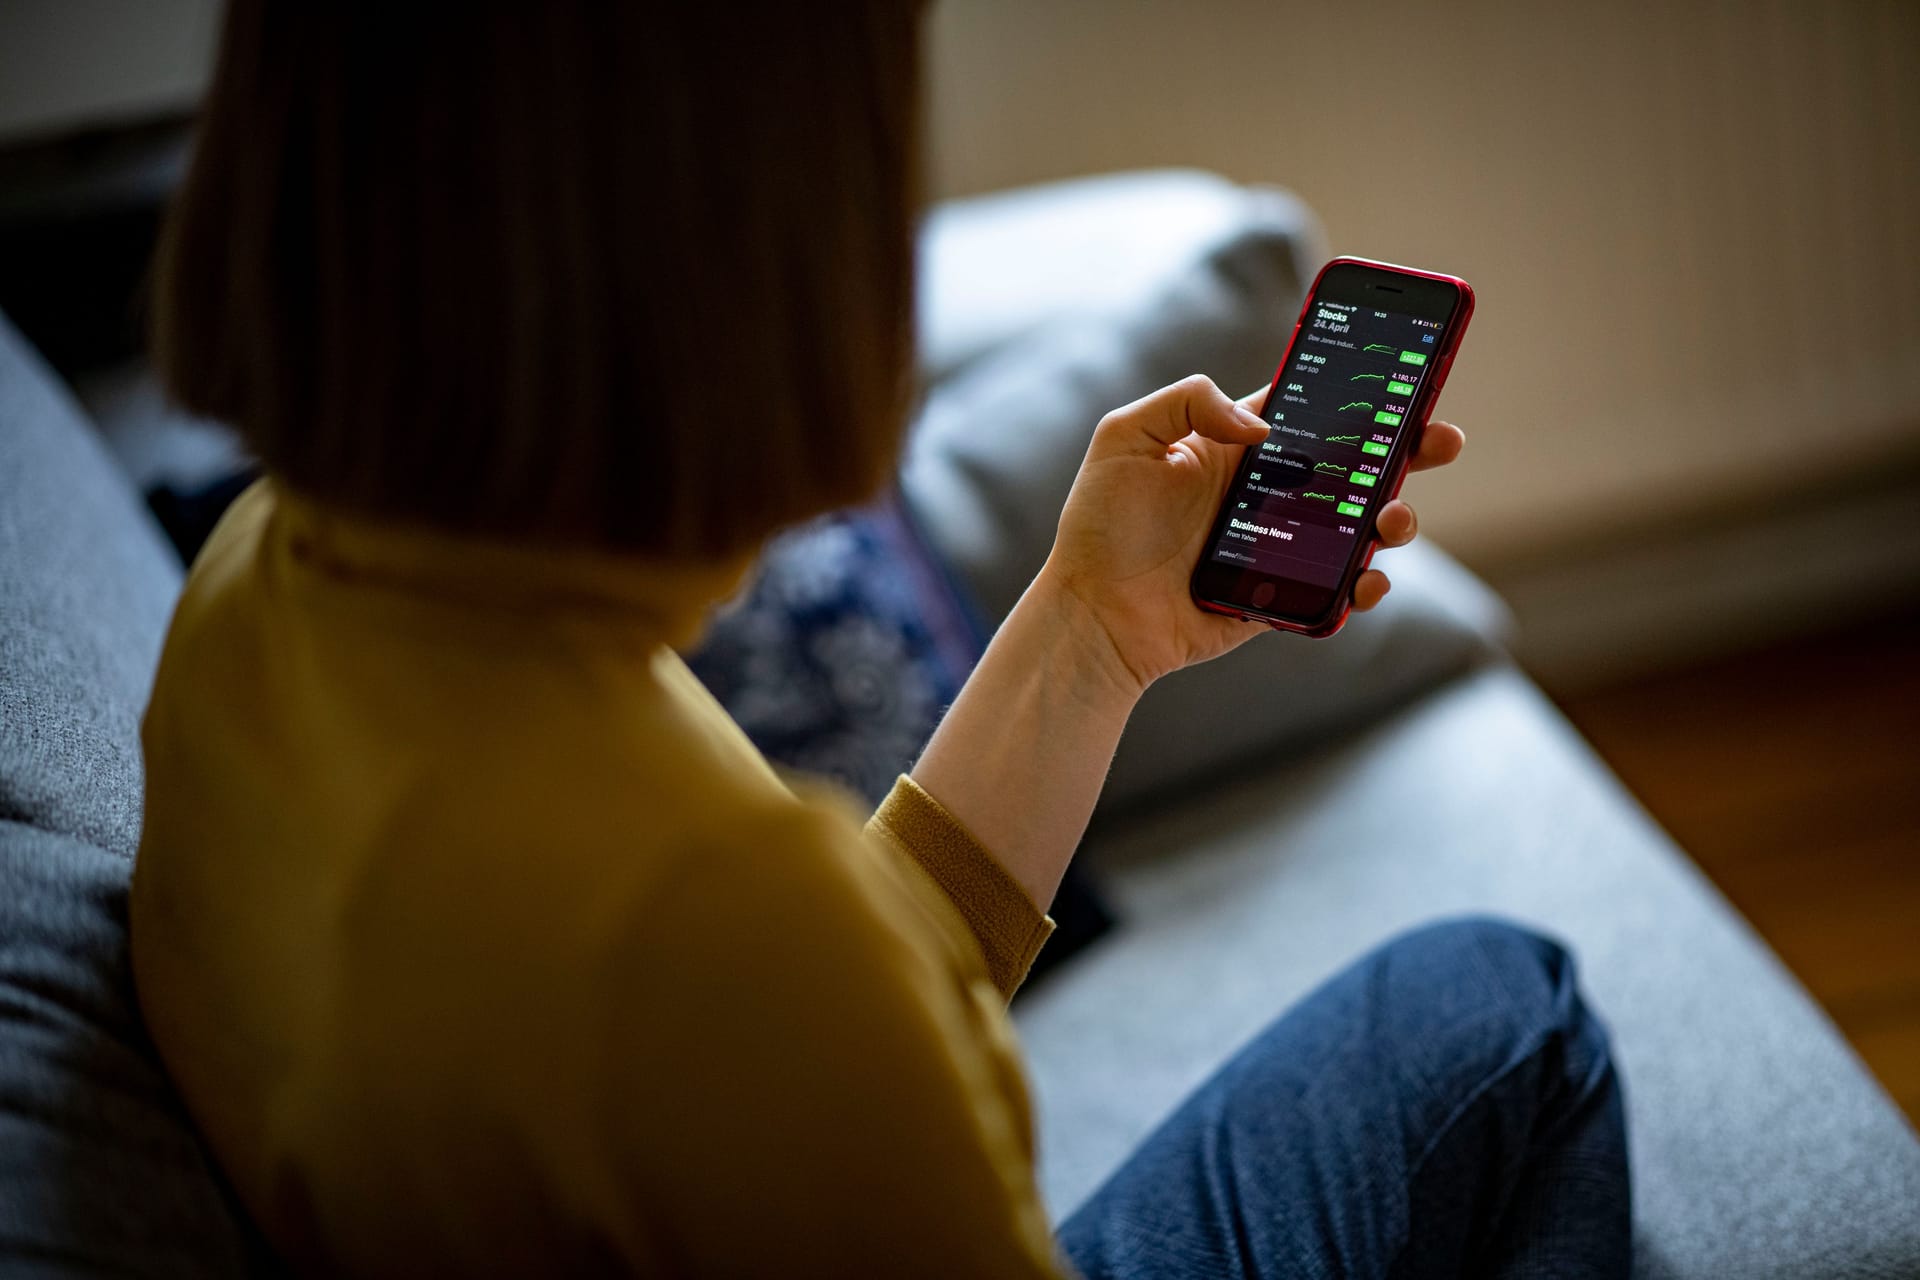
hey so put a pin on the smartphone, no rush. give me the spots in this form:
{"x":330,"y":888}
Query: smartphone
{"x":1368,"y":357}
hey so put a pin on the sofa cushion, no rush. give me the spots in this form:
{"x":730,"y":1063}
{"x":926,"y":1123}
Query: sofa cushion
{"x":997,"y":445}
{"x":99,"y":1170}
{"x":1761,"y":1147}
{"x":843,"y":650}
{"x":86,"y":588}
{"x":995,"y":448}
{"x":842,"y":654}
{"x":996,"y":268}
{"x":1279,"y":691}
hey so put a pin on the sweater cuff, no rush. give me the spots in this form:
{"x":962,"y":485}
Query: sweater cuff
{"x":1010,"y":929}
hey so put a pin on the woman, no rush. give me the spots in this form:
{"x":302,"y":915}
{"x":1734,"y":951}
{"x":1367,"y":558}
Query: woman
{"x":477,"y":938}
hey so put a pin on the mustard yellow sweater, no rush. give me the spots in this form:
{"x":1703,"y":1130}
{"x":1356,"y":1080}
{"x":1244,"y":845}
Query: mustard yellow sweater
{"x":480,"y":941}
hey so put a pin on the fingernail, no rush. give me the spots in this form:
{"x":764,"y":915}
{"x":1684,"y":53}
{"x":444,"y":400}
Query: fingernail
{"x":1249,"y":418}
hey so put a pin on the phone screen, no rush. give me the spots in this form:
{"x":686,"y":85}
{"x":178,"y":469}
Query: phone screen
{"x":1341,"y":414}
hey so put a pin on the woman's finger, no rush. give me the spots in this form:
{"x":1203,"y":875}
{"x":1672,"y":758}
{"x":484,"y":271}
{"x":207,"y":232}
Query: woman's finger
{"x":1397,"y":524}
{"x":1440,"y":444}
{"x":1191,"y":406}
{"x":1370,"y":590}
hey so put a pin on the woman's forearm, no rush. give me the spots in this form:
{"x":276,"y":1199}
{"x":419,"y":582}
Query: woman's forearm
{"x":1023,"y":752}
{"x":1021,"y":756}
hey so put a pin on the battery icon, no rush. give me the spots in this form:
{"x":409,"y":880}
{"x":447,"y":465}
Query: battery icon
{"x":1389,"y":418}
{"x":1413,"y":357}
{"x":1361,"y":477}
{"x":1351,"y":509}
{"x":1399,"y":388}
{"x":1375,"y":448}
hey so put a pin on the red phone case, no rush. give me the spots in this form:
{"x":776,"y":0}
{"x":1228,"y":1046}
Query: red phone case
{"x":1422,"y":410}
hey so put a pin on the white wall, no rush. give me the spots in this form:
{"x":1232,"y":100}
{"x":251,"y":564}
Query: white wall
{"x":1694,"y":227}
{"x":69,"y":64}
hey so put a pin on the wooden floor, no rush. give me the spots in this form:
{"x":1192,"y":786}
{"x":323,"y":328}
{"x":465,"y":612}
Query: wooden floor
{"x":1793,"y":778}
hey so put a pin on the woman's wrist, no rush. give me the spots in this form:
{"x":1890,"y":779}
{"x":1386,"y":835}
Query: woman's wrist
{"x":1087,"y":652}
{"x":1020,"y":756}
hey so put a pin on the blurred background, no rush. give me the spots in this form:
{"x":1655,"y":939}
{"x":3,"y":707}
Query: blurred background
{"x":1692,"y":229}
{"x":1692,"y":390}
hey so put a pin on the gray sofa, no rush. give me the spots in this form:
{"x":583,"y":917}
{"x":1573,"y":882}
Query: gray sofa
{"x":1269,"y":816}
{"x":1401,"y":771}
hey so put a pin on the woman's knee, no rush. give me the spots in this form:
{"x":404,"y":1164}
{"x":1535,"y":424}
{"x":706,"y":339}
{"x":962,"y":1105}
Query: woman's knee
{"x":1468,"y":942}
{"x":1495,"y":992}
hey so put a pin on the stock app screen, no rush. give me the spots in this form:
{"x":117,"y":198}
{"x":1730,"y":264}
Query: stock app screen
{"x":1340,"y":406}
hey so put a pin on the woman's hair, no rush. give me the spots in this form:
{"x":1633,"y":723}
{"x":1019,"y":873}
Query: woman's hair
{"x":636,"y":275}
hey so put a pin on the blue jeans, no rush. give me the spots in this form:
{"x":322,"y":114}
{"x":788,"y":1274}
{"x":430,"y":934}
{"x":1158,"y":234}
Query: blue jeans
{"x":1444,"y":1107}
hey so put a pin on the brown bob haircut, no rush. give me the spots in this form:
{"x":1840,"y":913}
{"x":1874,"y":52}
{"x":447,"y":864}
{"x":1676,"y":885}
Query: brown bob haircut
{"x":630,"y":275}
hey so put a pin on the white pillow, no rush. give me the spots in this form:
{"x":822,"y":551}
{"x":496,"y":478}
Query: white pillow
{"x":996,"y":267}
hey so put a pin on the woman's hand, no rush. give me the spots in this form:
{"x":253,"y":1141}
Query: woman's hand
{"x":1020,"y":756}
{"x":1144,"y":501}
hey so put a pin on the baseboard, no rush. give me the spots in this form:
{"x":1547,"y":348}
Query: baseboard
{"x":1752,"y":574}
